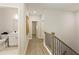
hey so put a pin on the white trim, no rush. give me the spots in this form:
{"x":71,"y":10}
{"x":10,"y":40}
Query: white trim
{"x":47,"y":49}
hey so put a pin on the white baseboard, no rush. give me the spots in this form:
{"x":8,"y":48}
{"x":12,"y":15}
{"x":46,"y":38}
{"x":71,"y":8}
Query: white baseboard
{"x":47,"y":49}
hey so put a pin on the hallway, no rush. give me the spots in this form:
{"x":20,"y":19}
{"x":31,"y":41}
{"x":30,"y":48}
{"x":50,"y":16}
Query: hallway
{"x":36,"y":47}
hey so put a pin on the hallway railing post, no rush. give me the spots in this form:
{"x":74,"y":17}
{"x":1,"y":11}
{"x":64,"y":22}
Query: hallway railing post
{"x":53,"y":43}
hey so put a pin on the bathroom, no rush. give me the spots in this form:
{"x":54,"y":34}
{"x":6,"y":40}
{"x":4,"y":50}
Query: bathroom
{"x":8,"y":31}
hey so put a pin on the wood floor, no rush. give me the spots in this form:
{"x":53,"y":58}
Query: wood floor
{"x":36,"y":47}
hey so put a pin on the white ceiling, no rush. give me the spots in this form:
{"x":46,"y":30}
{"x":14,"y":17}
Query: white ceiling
{"x":59,"y":6}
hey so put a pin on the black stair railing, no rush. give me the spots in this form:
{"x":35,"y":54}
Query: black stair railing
{"x":57,"y":46}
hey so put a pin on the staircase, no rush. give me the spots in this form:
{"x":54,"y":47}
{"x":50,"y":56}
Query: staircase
{"x":57,"y":46}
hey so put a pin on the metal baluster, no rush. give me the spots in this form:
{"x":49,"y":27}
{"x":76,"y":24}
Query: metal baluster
{"x":68,"y":51}
{"x":71,"y":52}
{"x":53,"y":38}
{"x":51,"y":43}
{"x":58,"y":42}
{"x":57,"y":47}
{"x":64,"y":49}
{"x":61,"y":48}
{"x":52,"y":46}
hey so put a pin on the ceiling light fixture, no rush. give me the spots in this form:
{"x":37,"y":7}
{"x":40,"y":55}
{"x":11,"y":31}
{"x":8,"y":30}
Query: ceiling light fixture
{"x":16,"y":16}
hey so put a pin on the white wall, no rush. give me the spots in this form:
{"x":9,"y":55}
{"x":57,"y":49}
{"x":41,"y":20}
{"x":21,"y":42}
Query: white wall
{"x":62,"y":23}
{"x":1,"y":20}
{"x":76,"y":41}
{"x":8,"y":22}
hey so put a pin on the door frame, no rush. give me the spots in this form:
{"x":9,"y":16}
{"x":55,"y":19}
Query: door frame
{"x":35,"y":29}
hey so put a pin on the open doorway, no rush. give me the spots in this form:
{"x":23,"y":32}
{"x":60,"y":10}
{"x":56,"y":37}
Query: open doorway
{"x":8,"y":30}
{"x":34,"y":23}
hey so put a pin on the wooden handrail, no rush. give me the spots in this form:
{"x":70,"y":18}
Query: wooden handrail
{"x":56,"y":48}
{"x":66,"y":45}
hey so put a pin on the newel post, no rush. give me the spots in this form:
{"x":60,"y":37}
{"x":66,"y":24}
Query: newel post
{"x":53,"y":43}
{"x":45,"y":37}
